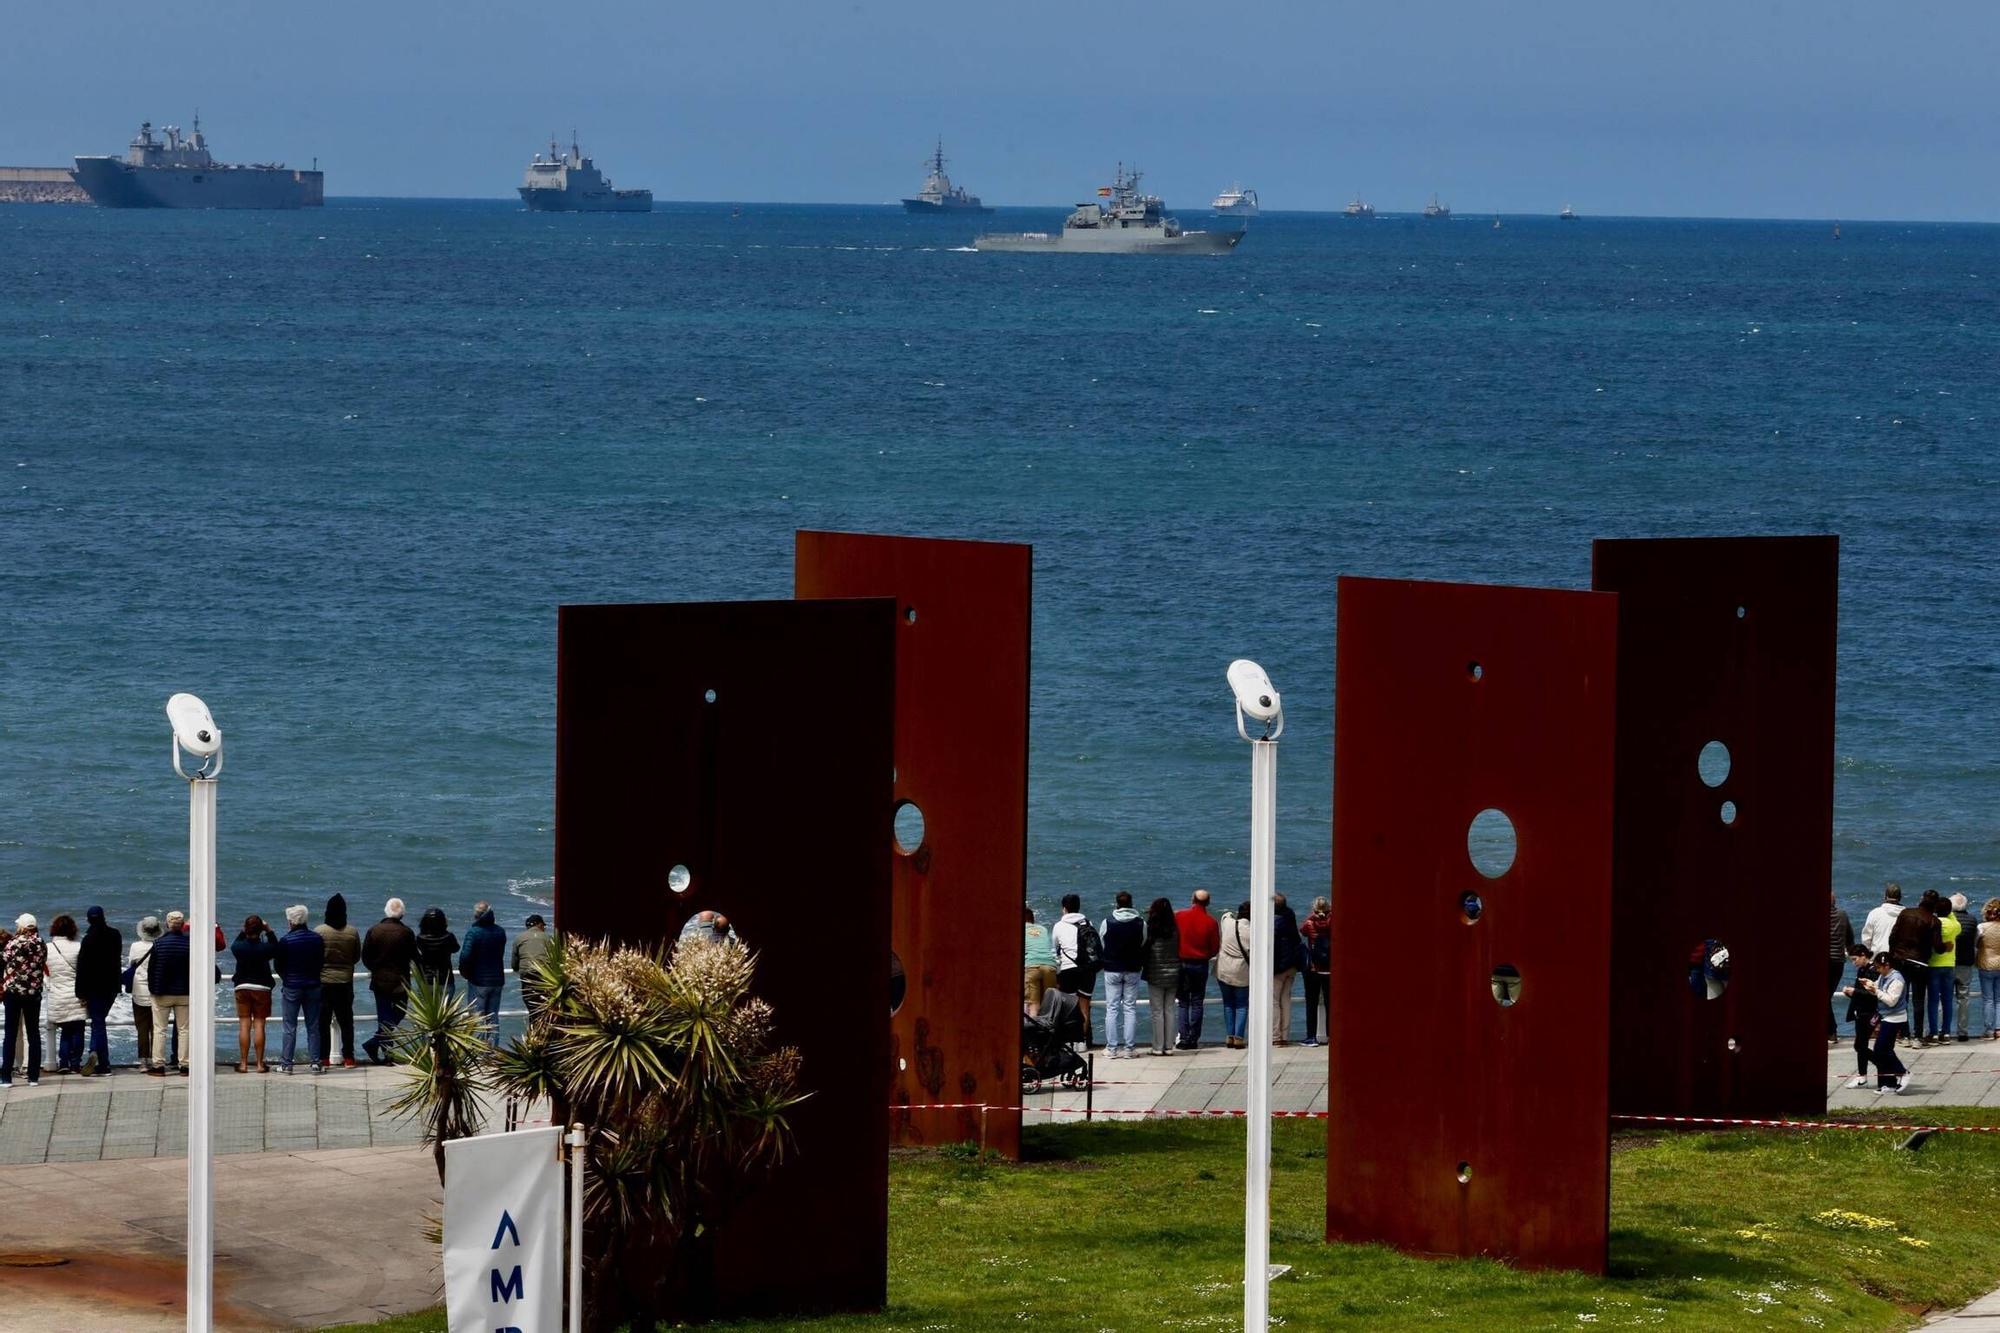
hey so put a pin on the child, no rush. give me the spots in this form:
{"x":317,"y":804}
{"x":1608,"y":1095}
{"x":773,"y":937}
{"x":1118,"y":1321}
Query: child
{"x":1892,"y":993}
{"x":1861,"y":1010}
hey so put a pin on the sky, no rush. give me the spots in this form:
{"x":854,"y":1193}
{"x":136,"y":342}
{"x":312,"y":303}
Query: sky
{"x":1739,"y":108}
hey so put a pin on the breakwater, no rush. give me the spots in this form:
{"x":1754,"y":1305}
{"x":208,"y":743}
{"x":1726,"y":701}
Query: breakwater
{"x":40,"y":185}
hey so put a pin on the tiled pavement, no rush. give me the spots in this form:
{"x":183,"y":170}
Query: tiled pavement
{"x":1211,"y":1079}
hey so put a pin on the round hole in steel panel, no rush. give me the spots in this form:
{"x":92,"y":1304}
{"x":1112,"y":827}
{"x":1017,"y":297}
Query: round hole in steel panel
{"x":909,"y":615}
{"x":1465,"y":1173}
{"x":1507,"y":985}
{"x":1742,"y":611}
{"x":708,"y":696}
{"x":1713,"y":764}
{"x":678,"y":879}
{"x":1708,"y":969}
{"x":1475,"y":671}
{"x":1728,"y":812}
{"x":1470,"y":907}
{"x":1735,"y":1045}
{"x":1490,"y":843}
{"x":909,"y":828}
{"x":899,"y":984}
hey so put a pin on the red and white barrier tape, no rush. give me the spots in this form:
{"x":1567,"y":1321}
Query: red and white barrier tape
{"x":1723,"y":1122}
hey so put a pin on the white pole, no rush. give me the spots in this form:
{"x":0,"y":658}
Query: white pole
{"x":576,"y":1141}
{"x":1257,"y":1166}
{"x":198,"y":1047}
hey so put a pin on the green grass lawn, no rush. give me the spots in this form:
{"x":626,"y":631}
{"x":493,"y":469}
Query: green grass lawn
{"x":1139,"y":1227}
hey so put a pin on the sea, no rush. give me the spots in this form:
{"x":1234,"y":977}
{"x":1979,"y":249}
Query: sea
{"x":334,"y":470}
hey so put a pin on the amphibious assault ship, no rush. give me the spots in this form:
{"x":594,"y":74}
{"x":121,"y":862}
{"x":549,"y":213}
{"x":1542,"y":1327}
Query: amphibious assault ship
{"x":176,"y":171}
{"x":1132,"y":223}
{"x":939,"y":195}
{"x":571,"y":183}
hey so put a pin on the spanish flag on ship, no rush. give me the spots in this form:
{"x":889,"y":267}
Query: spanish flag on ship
{"x":1104,"y":192}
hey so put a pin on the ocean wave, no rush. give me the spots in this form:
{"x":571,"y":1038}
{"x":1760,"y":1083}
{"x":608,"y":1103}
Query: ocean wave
{"x":536,"y":889}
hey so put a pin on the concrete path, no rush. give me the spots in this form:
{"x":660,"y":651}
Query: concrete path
{"x":1211,"y":1079}
{"x":302,"y":1240}
{"x":1982,"y":1316}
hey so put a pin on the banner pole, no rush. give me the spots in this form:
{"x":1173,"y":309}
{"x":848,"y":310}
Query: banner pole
{"x":576,"y":1141}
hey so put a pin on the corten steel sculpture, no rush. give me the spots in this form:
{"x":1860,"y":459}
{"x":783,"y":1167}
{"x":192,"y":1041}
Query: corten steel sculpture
{"x":1453,"y":700}
{"x":962,"y":636}
{"x":1731,"y":641}
{"x":742,"y":750}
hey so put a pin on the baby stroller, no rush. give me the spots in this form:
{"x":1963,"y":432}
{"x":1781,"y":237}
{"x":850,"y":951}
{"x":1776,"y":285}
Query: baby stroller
{"x":1048,"y":1043}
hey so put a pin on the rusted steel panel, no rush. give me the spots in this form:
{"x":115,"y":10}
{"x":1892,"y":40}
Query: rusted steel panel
{"x":962,"y":636}
{"x":775,"y":797}
{"x":1453,"y":699}
{"x":1730,"y":640}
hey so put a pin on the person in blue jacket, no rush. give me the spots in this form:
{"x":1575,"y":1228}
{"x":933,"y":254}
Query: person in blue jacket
{"x":482,"y":961}
{"x":300,"y":955}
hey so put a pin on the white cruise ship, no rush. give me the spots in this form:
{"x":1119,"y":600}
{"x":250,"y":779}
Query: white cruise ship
{"x":1236,"y":202}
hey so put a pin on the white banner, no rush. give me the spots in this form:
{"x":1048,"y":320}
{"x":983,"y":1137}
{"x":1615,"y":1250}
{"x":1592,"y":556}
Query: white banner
{"x":503,"y":1220}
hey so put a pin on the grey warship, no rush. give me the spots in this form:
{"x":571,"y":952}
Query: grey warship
{"x":571,"y":183}
{"x":1131,"y":223}
{"x":177,"y":171}
{"x":939,"y":195}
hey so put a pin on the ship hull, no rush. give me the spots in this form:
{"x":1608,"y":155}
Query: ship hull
{"x":932,"y":206}
{"x":1235,"y":210}
{"x":568,"y":201}
{"x":1112,"y":241}
{"x":112,"y":183}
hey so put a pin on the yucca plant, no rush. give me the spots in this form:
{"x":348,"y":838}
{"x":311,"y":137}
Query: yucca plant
{"x":668,"y":1061}
{"x":442,"y":1048}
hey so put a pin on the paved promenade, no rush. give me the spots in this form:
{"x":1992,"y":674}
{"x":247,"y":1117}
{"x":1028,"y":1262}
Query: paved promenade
{"x":322,"y":1197}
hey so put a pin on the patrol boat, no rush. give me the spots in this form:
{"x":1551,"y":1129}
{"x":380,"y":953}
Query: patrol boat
{"x":176,"y":171}
{"x":1132,"y":223}
{"x":939,"y":195}
{"x":1358,"y":209}
{"x":1434,"y":209}
{"x":571,"y":183}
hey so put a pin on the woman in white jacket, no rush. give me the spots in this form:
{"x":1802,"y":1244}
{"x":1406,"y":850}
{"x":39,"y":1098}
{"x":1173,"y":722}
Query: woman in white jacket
{"x":1232,"y":974}
{"x":142,"y":994}
{"x":61,"y":1009}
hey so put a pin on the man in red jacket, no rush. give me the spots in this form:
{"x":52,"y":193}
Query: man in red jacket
{"x":1200,"y":941}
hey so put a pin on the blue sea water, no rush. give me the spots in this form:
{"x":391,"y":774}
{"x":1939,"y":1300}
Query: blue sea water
{"x":334,"y":471}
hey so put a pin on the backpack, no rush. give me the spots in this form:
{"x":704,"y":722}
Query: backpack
{"x":1089,"y":948}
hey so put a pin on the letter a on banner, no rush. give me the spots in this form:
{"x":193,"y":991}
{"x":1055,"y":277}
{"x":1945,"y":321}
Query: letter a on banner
{"x":503,"y":1220}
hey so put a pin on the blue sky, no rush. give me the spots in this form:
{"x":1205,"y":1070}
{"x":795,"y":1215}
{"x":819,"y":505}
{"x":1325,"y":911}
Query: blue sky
{"x":1833,"y":108}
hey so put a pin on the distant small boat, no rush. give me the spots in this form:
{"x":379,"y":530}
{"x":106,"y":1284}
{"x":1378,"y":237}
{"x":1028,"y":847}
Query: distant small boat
{"x":1836,"y":231}
{"x":1496,"y":224}
{"x":1357,"y":209}
{"x":1236,"y":202}
{"x":1567,"y":215}
{"x":1434,"y":209}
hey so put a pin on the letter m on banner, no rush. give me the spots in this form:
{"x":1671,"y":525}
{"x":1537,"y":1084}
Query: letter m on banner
{"x":503,"y":1219}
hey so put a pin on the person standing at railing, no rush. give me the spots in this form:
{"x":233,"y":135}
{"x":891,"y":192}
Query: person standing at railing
{"x":24,"y":971}
{"x":336,"y":980}
{"x":529,"y":946}
{"x":65,"y":1010}
{"x":389,"y":952}
{"x":254,"y":949}
{"x":436,"y":947}
{"x":300,"y":956}
{"x":167,"y":979}
{"x":142,"y":994}
{"x":483,"y":964}
{"x":98,"y":982}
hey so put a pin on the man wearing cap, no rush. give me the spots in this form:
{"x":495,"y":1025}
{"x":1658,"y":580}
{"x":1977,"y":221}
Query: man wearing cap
{"x":24,"y":970}
{"x":1964,"y":974}
{"x":167,"y":978}
{"x":527,"y":950}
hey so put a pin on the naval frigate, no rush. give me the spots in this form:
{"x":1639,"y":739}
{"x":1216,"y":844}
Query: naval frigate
{"x":1131,"y":223}
{"x":571,"y":183}
{"x":939,"y":195}
{"x":177,"y":171}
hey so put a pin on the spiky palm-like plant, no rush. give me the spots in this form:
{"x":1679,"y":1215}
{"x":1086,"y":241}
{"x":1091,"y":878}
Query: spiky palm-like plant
{"x":669,"y":1062}
{"x":442,"y":1048}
